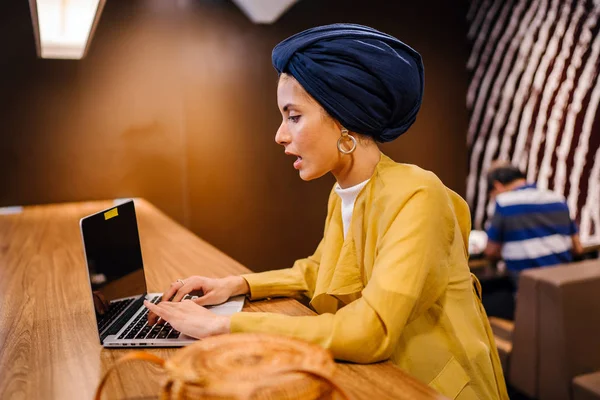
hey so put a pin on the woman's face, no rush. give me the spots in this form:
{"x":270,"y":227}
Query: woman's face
{"x":307,"y":133}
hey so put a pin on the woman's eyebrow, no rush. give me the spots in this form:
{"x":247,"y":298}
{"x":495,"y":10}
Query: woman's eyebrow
{"x":288,"y":106}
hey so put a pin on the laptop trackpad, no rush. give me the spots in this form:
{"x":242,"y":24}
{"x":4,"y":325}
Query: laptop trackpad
{"x":230,"y":307}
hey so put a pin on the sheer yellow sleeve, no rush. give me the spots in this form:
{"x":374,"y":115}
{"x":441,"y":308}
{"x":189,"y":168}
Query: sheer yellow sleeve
{"x":410,"y":274}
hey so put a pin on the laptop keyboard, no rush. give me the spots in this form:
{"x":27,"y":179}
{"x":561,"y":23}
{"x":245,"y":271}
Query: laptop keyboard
{"x":114,"y":309}
{"x":140,"y":329}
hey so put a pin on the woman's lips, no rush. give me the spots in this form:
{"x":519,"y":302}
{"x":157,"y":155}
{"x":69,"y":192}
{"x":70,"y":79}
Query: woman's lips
{"x":298,"y":162}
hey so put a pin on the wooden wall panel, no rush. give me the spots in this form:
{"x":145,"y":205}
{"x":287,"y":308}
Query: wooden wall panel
{"x":176,"y":102}
{"x":533,"y":100}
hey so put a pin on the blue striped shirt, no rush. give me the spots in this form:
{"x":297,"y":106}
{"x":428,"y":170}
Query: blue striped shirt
{"x":534,"y":228}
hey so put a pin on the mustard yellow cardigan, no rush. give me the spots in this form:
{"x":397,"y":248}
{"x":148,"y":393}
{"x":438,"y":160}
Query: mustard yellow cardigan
{"x":398,"y":287}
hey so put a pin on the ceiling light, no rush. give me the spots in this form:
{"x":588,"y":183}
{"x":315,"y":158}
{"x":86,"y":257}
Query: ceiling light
{"x":264,"y":11}
{"x":64,"y":28}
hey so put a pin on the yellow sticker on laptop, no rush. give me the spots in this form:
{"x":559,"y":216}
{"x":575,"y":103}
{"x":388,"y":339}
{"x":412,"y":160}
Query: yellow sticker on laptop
{"x":111,"y":213}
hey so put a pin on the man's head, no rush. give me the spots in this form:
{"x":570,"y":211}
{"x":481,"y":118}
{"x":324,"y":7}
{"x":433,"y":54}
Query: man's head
{"x":502,"y":177}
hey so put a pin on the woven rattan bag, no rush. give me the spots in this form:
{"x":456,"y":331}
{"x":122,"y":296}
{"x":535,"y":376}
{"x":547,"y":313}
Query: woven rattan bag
{"x":244,"y":366}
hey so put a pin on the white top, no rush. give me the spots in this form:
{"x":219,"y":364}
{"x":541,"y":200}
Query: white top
{"x":348,"y":197}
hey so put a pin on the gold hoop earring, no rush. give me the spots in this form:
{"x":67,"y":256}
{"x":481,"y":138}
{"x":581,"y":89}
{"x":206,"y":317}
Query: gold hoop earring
{"x":345,"y":135}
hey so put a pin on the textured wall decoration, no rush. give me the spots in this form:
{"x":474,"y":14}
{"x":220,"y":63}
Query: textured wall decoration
{"x":533,"y":99}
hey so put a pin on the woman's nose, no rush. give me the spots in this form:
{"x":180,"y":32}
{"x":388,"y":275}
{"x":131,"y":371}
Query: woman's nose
{"x":282,"y":137}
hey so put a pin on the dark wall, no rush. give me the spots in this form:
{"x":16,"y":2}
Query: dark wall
{"x":176,"y":102}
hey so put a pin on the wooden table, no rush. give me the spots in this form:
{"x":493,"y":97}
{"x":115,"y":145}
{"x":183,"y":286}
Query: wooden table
{"x":49,"y":347}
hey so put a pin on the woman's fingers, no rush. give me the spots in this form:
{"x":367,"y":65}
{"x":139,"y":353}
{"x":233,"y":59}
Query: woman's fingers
{"x":175,"y":286}
{"x":171,"y":312}
{"x":152,"y":316}
{"x":183,"y":290}
{"x":159,"y":310}
{"x":205,"y":300}
{"x":175,"y":293}
{"x":211,"y":289}
{"x":153,"y":313}
{"x":189,"y":318}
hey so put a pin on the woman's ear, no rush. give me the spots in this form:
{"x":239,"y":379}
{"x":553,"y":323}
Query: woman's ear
{"x":337,"y":123}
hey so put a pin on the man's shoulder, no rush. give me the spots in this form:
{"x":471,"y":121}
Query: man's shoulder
{"x":529,"y":195}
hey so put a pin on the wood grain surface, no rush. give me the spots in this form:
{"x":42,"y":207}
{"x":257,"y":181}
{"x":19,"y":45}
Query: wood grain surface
{"x":49,"y":346}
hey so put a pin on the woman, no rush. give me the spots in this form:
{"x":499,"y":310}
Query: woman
{"x":389,"y":279}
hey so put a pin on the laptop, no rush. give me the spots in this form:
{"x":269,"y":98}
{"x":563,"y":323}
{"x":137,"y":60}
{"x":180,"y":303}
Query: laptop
{"x":118,"y":285}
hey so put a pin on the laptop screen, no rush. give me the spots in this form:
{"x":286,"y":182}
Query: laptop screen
{"x":114,"y":255}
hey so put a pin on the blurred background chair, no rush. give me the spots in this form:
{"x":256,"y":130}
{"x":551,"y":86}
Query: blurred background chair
{"x":552,"y":349}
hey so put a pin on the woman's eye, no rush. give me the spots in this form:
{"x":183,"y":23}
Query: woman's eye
{"x":294,"y":118}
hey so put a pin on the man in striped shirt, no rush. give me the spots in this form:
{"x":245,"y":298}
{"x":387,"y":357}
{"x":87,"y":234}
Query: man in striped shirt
{"x":531,"y":227}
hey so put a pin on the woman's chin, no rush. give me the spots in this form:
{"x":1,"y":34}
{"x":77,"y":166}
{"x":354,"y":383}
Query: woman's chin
{"x":308,"y":175}
{"x":305,"y":176}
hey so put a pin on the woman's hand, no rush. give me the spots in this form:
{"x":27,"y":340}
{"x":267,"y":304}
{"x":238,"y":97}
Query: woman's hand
{"x":214,"y":291}
{"x":189,"y":318}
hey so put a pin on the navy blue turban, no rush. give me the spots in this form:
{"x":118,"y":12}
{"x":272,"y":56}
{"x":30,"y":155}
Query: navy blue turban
{"x":369,"y":81}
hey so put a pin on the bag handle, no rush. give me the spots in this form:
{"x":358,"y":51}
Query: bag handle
{"x":134,"y":355}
